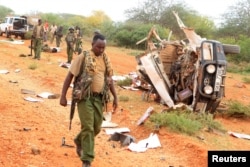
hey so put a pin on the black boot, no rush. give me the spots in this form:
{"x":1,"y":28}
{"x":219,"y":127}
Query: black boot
{"x":78,"y":148}
{"x":86,"y":164}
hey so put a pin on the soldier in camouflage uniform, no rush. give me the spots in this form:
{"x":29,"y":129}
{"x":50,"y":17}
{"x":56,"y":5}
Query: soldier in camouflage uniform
{"x":78,"y":47}
{"x":37,"y":38}
{"x":70,"y":41}
{"x":59,"y":35}
{"x":96,"y":66}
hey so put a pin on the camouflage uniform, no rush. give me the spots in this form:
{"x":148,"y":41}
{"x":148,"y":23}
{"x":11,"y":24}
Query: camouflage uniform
{"x":78,"y":47}
{"x":59,"y":35}
{"x":37,"y":38}
{"x":91,"y":107}
{"x":70,"y":40}
{"x":53,"y":29}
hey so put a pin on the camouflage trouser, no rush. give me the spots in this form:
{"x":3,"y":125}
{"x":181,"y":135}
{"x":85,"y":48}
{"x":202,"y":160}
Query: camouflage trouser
{"x":90,"y":112}
{"x":78,"y":44}
{"x":37,"y":47}
{"x":70,"y":51}
{"x":52,"y":36}
{"x":58,"y":41}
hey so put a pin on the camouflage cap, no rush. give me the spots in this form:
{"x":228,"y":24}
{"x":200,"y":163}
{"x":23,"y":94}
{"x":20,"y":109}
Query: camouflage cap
{"x":71,"y":28}
{"x":97,"y":31}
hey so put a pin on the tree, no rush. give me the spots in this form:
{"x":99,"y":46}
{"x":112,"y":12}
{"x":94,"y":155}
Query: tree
{"x":4,"y":11}
{"x":236,"y":20}
{"x":161,"y":12}
{"x":129,"y":33}
{"x":148,"y":12}
{"x":52,"y":18}
{"x":97,"y":19}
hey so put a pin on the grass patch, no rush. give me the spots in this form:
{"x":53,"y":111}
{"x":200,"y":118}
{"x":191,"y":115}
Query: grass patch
{"x":123,"y":98}
{"x":237,"y":109}
{"x":33,"y":66}
{"x":246,"y":80}
{"x":186,"y":121}
{"x":28,"y":35}
{"x":241,"y":68}
{"x":126,"y":82}
{"x":135,"y":53}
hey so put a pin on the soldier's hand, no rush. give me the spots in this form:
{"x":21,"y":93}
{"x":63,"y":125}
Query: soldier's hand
{"x":115,"y":105}
{"x":63,"y":101}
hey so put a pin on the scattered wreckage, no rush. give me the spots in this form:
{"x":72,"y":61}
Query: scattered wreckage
{"x":190,"y":71}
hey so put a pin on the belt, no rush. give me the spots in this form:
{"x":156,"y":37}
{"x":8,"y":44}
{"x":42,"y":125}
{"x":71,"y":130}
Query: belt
{"x":96,"y":94}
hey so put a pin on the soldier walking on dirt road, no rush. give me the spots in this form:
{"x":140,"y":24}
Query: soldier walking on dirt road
{"x":95,"y":80}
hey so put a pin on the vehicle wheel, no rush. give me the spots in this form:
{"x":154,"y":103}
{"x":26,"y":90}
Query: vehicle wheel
{"x":231,"y":49}
{"x":7,"y":33}
{"x":212,"y":105}
{"x":1,"y":33}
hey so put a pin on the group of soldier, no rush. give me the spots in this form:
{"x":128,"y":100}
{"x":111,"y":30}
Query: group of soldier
{"x":74,"y":42}
{"x":73,"y":39}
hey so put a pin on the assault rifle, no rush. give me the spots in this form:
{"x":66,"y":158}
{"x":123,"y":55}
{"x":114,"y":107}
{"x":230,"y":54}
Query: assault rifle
{"x":84,"y":89}
{"x":72,"y":112}
{"x":31,"y":46}
{"x":73,"y":105}
{"x":76,"y":86}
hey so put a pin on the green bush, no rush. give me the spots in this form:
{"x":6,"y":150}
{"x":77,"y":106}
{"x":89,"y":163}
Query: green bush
{"x":246,"y":80}
{"x":123,"y":98}
{"x":33,"y":66}
{"x":237,"y":109}
{"x":185,"y":121}
{"x":241,"y":68}
{"x":243,"y":42}
{"x":28,"y":35}
{"x":126,"y":82}
{"x":128,"y":34}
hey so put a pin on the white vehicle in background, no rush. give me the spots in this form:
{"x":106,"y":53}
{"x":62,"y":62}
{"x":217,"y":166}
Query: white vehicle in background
{"x":14,"y":25}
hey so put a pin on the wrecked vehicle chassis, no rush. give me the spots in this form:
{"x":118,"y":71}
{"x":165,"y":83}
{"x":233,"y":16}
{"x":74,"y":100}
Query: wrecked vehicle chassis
{"x":178,"y":74}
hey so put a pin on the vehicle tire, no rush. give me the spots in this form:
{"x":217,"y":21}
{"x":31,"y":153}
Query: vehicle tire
{"x":1,"y":33}
{"x":7,"y":33}
{"x":212,"y":105}
{"x":231,"y":49}
{"x":22,"y":36}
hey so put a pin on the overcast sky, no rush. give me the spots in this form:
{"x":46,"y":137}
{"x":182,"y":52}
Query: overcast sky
{"x":113,"y":8}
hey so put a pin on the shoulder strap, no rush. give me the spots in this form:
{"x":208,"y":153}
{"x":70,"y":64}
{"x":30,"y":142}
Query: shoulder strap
{"x":83,"y":65}
{"x":107,"y":65}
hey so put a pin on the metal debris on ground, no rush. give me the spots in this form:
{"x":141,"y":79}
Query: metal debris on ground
{"x":122,"y":138}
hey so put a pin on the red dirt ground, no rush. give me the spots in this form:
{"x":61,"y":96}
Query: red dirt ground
{"x":39,"y":127}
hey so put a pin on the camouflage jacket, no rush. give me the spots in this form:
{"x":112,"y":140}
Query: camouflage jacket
{"x":70,"y":37}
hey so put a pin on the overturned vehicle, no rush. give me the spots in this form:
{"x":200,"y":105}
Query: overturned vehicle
{"x":190,"y":71}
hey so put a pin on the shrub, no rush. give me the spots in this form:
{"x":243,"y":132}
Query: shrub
{"x":242,"y":68}
{"x":33,"y":66}
{"x":185,"y":121}
{"x":123,"y":98}
{"x":246,"y":80}
{"x":125,"y":82}
{"x":237,"y":109}
{"x":28,"y":35}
